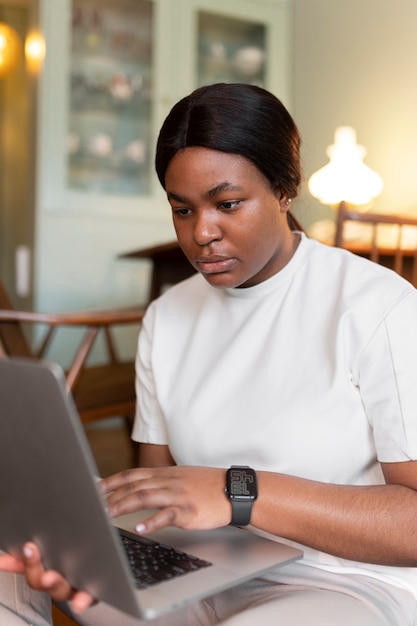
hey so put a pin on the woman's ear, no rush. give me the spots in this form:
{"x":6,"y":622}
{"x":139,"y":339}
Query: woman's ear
{"x":285,"y":203}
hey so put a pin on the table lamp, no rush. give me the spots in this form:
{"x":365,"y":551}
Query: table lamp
{"x":345,"y":178}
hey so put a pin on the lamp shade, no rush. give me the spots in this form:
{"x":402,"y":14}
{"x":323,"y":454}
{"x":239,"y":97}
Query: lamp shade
{"x":345,"y":177}
{"x":10,"y":49}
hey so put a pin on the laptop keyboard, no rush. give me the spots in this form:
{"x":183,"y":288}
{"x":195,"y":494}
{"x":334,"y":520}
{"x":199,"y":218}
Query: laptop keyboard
{"x":152,"y":562}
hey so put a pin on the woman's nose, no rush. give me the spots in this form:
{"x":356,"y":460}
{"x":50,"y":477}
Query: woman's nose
{"x":206,"y":228}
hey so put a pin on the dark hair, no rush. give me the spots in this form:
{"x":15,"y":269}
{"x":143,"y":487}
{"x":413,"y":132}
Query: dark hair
{"x":239,"y":119}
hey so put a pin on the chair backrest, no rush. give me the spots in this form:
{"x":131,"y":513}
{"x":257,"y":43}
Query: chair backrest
{"x":12,"y":339}
{"x":386,"y":239}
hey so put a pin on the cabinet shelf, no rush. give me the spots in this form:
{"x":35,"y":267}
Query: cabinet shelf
{"x":107,"y":175}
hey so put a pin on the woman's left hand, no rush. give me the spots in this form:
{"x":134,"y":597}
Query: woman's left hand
{"x":186,"y":497}
{"x":40,"y":579}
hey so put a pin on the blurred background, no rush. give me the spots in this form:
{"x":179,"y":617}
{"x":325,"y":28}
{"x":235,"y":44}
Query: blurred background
{"x":81,"y":107}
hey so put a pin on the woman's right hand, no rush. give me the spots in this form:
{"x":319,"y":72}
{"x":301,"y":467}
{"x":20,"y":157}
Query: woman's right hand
{"x":40,"y":579}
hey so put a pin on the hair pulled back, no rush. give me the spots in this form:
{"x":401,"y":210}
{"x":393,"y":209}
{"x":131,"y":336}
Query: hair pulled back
{"x":239,"y":119}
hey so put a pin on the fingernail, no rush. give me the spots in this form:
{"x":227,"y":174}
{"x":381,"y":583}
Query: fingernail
{"x":140,"y":528}
{"x":27,"y":551}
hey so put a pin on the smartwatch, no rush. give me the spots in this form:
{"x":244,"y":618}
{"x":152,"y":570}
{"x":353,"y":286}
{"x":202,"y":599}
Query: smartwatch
{"x":242,"y":491}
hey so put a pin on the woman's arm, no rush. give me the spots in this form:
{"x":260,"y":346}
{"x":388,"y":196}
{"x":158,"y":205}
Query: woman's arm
{"x":151,"y":455}
{"x":374,"y":524}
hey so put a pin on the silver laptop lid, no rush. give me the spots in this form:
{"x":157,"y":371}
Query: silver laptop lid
{"x":40,"y":436}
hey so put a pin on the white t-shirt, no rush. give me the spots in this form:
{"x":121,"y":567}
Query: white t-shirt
{"x":312,"y":373}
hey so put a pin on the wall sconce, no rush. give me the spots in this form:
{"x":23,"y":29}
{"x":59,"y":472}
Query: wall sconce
{"x":10,"y":49}
{"x":34,"y":51}
{"x":345,"y":177}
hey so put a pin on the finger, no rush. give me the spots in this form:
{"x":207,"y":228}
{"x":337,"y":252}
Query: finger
{"x":9,"y":563}
{"x":138,"y":496}
{"x":111,"y":483}
{"x":33,"y":565}
{"x":165,"y":517}
{"x":59,"y":589}
{"x":34,"y":568}
{"x":41,"y":579}
{"x":81,"y":601}
{"x":56,"y":585}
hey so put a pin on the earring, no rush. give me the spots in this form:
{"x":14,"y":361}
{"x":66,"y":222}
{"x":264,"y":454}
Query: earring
{"x":288,"y":202}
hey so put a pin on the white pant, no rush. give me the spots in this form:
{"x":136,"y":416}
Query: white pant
{"x":320,"y":599}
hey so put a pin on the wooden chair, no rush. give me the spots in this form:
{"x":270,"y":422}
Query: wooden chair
{"x":99,"y":391}
{"x":389,"y":240}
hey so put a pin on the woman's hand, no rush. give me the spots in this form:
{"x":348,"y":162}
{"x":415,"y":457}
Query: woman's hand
{"x":187,"y":497}
{"x":40,"y":579}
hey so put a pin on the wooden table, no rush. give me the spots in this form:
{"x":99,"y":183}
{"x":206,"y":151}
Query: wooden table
{"x":169,"y":265}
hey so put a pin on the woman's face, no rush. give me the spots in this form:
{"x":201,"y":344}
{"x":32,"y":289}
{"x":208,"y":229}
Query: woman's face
{"x":230,"y":224}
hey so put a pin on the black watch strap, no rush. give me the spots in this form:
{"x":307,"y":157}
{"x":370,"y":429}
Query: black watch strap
{"x":241,"y":512}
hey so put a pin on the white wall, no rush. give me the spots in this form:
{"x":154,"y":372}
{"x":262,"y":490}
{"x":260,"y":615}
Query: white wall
{"x":355,"y":63}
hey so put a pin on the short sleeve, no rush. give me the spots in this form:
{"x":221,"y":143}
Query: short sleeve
{"x":387,"y":376}
{"x":149,"y":426}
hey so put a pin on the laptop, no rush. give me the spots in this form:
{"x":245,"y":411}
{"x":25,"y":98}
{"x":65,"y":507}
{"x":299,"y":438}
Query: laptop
{"x":49,"y":495}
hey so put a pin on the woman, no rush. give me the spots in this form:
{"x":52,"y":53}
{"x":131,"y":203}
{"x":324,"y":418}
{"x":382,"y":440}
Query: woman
{"x":282,"y":354}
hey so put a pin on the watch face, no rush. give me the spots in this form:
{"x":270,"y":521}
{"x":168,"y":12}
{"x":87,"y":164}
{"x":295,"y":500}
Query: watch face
{"x":241,"y":483}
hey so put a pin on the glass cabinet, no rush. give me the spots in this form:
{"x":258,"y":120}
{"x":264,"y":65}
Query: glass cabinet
{"x":114,"y":69}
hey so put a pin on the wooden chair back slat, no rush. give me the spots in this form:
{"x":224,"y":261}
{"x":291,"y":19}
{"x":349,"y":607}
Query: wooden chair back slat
{"x":402,"y":255}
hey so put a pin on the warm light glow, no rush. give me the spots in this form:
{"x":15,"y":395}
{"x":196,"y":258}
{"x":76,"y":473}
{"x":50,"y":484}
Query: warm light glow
{"x":10,"y":49}
{"x":34,"y":51}
{"x":345,"y":177}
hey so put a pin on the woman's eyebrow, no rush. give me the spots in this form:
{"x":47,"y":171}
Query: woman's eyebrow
{"x":224,"y":186}
{"x":211,"y":193}
{"x":174,"y":196}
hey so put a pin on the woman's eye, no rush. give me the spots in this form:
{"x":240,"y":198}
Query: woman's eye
{"x":181,"y":212}
{"x":232,"y":204}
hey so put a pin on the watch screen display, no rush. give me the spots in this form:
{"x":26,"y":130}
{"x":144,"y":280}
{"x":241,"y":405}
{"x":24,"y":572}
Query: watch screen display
{"x":242,"y":482}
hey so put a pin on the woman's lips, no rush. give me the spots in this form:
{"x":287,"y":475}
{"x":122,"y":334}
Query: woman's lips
{"x":215,"y":264}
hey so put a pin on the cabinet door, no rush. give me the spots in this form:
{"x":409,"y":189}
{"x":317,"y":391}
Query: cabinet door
{"x":110,"y":97}
{"x":236,"y":41}
{"x":230,"y":49}
{"x":98,"y":109}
